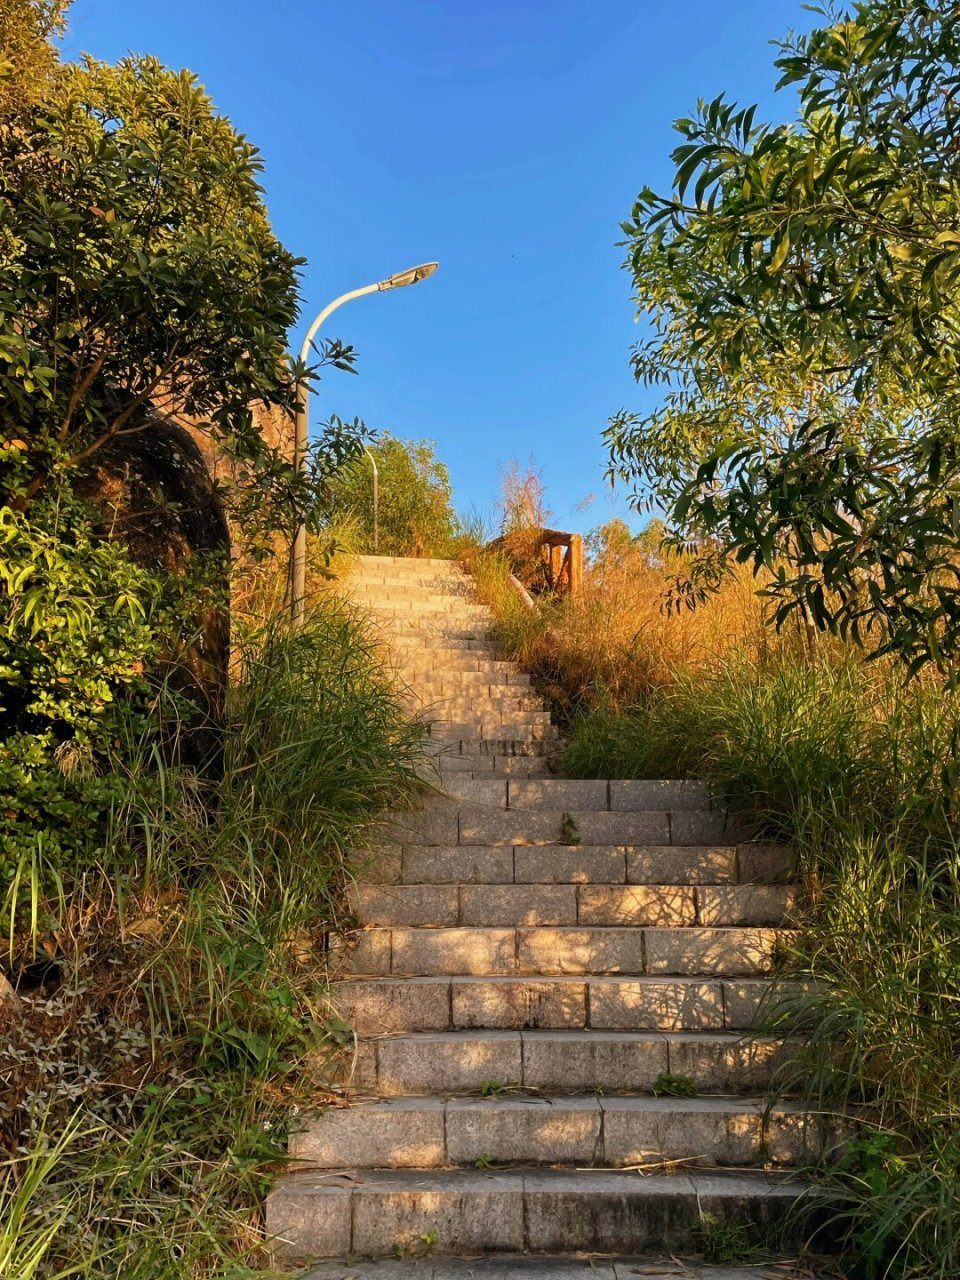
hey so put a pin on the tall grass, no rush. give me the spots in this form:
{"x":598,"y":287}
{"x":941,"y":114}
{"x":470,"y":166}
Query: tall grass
{"x":617,"y":642}
{"x":857,"y":766}
{"x":177,"y":999}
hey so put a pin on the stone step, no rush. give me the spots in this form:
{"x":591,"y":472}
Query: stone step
{"x":415,"y":616}
{"x":443,"y":650}
{"x":488,"y":720}
{"x":416,"y":629}
{"x":688,"y":951}
{"x":516,"y":906}
{"x":413,"y":658}
{"x":433,"y":582}
{"x":449,"y":684}
{"x":599,"y":1132}
{"x":419,"y":587}
{"x":313,"y":1215}
{"x":572,"y":794}
{"x":503,"y":701}
{"x":386,"y":1006}
{"x":456,"y":594}
{"x":470,"y":744}
{"x":444,"y":766}
{"x":532,"y":739}
{"x":560,"y":1061}
{"x":447,"y":822}
{"x":421,"y":1266}
{"x":402,"y":564}
{"x":399,"y":861}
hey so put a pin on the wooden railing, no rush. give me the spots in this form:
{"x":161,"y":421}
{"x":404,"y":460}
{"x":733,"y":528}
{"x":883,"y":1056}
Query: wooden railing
{"x":563,"y":558}
{"x":557,"y":561}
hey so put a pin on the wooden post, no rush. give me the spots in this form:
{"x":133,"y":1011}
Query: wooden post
{"x":556,"y":565}
{"x":576,"y":564}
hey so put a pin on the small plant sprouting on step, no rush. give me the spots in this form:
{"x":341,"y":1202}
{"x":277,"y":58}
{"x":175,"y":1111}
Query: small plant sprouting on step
{"x":569,"y":832}
{"x":483,"y":1161}
{"x":494,"y":1088}
{"x":426,"y":1243}
{"x":728,"y":1243}
{"x":671,"y":1086}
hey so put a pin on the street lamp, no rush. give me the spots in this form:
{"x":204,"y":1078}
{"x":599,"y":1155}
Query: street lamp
{"x":298,"y":572}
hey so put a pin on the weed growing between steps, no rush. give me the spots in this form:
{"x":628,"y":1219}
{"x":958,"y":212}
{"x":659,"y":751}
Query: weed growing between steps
{"x":171,"y":989}
{"x":729,"y":1244}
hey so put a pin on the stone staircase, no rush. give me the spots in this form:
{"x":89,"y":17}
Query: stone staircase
{"x":547,"y":968}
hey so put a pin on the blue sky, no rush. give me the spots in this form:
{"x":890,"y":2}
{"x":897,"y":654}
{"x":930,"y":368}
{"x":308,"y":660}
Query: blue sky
{"x":506,"y":139}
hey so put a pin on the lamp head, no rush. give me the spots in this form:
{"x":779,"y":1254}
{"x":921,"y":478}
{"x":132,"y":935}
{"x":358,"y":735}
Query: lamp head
{"x":412,"y":275}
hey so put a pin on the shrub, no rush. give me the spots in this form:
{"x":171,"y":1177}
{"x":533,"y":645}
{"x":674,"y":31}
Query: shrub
{"x":416,"y":517}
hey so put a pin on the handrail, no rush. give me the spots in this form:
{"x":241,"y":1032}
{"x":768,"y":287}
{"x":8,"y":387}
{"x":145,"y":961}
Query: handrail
{"x":560,"y":557}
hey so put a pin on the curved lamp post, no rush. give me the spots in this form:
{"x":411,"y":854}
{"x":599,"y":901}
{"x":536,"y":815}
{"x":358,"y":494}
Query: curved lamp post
{"x":298,"y":572}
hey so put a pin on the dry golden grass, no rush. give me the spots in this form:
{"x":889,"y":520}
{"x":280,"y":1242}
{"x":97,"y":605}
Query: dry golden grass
{"x":620,"y":641}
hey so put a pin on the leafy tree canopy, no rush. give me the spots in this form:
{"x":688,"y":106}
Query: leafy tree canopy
{"x":28,"y":59}
{"x":801,"y":284}
{"x":139,"y":273}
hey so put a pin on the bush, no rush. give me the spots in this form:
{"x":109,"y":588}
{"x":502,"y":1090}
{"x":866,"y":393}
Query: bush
{"x":416,"y":517}
{"x":81,"y":628}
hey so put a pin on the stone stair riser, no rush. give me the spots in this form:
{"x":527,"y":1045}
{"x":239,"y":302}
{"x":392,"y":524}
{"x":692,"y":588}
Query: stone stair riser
{"x":505,"y":702}
{"x":621,"y":1132}
{"x":421,"y":659}
{"x":562,"y":1062}
{"x":514,"y":906}
{"x":446,"y":765}
{"x":441,"y":624}
{"x":383,"y":1006}
{"x":363,"y":564}
{"x":472,"y":745}
{"x":561,"y":864}
{"x":450,"y":822}
{"x":424,"y":589}
{"x":439,"y":621}
{"x":475,"y":684}
{"x":516,"y":1211}
{"x":439,"y":646}
{"x":688,"y":951}
{"x":490,"y":722}
{"x":573,"y":795}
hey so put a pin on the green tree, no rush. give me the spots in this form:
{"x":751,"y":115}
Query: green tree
{"x":28,"y":59}
{"x":416,"y":517}
{"x":139,"y":273}
{"x":139,"y":276}
{"x":802,"y":283}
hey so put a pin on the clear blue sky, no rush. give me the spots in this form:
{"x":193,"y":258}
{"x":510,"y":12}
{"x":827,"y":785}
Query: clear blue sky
{"x":505,"y":138}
